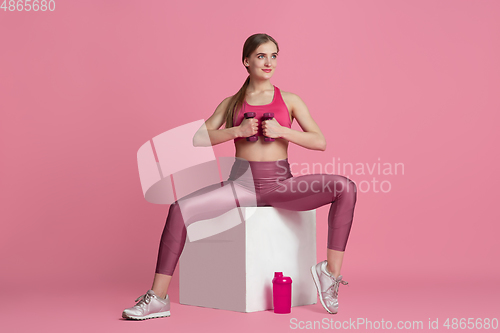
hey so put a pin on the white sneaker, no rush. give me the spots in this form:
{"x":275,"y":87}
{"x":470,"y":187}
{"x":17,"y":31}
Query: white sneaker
{"x":149,"y":306}
{"x":327,"y":286}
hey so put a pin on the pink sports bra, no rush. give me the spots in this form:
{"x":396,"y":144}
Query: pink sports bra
{"x":277,"y":106}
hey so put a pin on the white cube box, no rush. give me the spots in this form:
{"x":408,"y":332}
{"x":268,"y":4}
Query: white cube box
{"x":233,"y":270}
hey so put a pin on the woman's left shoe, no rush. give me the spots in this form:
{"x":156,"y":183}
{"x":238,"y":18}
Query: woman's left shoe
{"x":327,"y":286}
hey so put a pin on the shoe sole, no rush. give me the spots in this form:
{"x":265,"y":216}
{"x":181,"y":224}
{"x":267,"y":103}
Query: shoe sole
{"x":150,"y":316}
{"x":316,"y":282}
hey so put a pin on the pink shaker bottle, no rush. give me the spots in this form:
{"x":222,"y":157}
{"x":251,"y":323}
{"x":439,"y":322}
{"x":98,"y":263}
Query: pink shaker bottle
{"x":254,"y":137}
{"x":282,"y":293}
{"x":267,"y":116}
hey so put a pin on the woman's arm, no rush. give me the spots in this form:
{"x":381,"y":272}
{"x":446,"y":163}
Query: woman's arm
{"x":211,"y":127}
{"x":311,"y":137}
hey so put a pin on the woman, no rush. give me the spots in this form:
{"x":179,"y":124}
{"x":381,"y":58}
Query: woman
{"x":270,"y":185}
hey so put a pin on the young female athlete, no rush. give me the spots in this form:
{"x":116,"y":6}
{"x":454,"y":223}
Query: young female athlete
{"x":271,"y":184}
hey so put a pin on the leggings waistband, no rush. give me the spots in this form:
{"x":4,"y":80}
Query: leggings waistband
{"x":260,"y":169}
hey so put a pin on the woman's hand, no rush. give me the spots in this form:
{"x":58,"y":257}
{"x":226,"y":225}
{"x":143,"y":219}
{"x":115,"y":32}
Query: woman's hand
{"x":272,"y":129}
{"x":249,"y":127}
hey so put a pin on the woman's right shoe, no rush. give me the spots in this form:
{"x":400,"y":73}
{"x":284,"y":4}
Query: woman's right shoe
{"x":149,"y":306}
{"x":327,"y":286}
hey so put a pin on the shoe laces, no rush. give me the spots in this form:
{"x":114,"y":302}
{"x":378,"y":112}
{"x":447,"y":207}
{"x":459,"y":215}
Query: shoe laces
{"x":334,"y":288}
{"x":144,"y":299}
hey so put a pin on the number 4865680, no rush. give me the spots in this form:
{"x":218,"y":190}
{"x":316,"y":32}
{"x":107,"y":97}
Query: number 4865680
{"x":28,"y":5}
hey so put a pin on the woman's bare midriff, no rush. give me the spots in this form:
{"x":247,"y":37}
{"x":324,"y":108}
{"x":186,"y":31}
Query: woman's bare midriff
{"x":261,"y":150}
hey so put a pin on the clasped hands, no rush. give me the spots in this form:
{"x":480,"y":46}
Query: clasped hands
{"x":270,"y":128}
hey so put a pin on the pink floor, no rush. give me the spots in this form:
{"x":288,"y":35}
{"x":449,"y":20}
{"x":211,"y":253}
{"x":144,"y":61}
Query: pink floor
{"x":97,"y":308}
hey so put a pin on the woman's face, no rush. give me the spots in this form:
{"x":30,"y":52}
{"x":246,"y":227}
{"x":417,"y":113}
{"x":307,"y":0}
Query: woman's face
{"x":262,"y":62}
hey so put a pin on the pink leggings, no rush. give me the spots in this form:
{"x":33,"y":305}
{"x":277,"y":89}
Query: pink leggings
{"x":260,"y":184}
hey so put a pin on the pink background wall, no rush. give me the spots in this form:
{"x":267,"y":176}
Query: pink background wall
{"x":412,"y":82}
